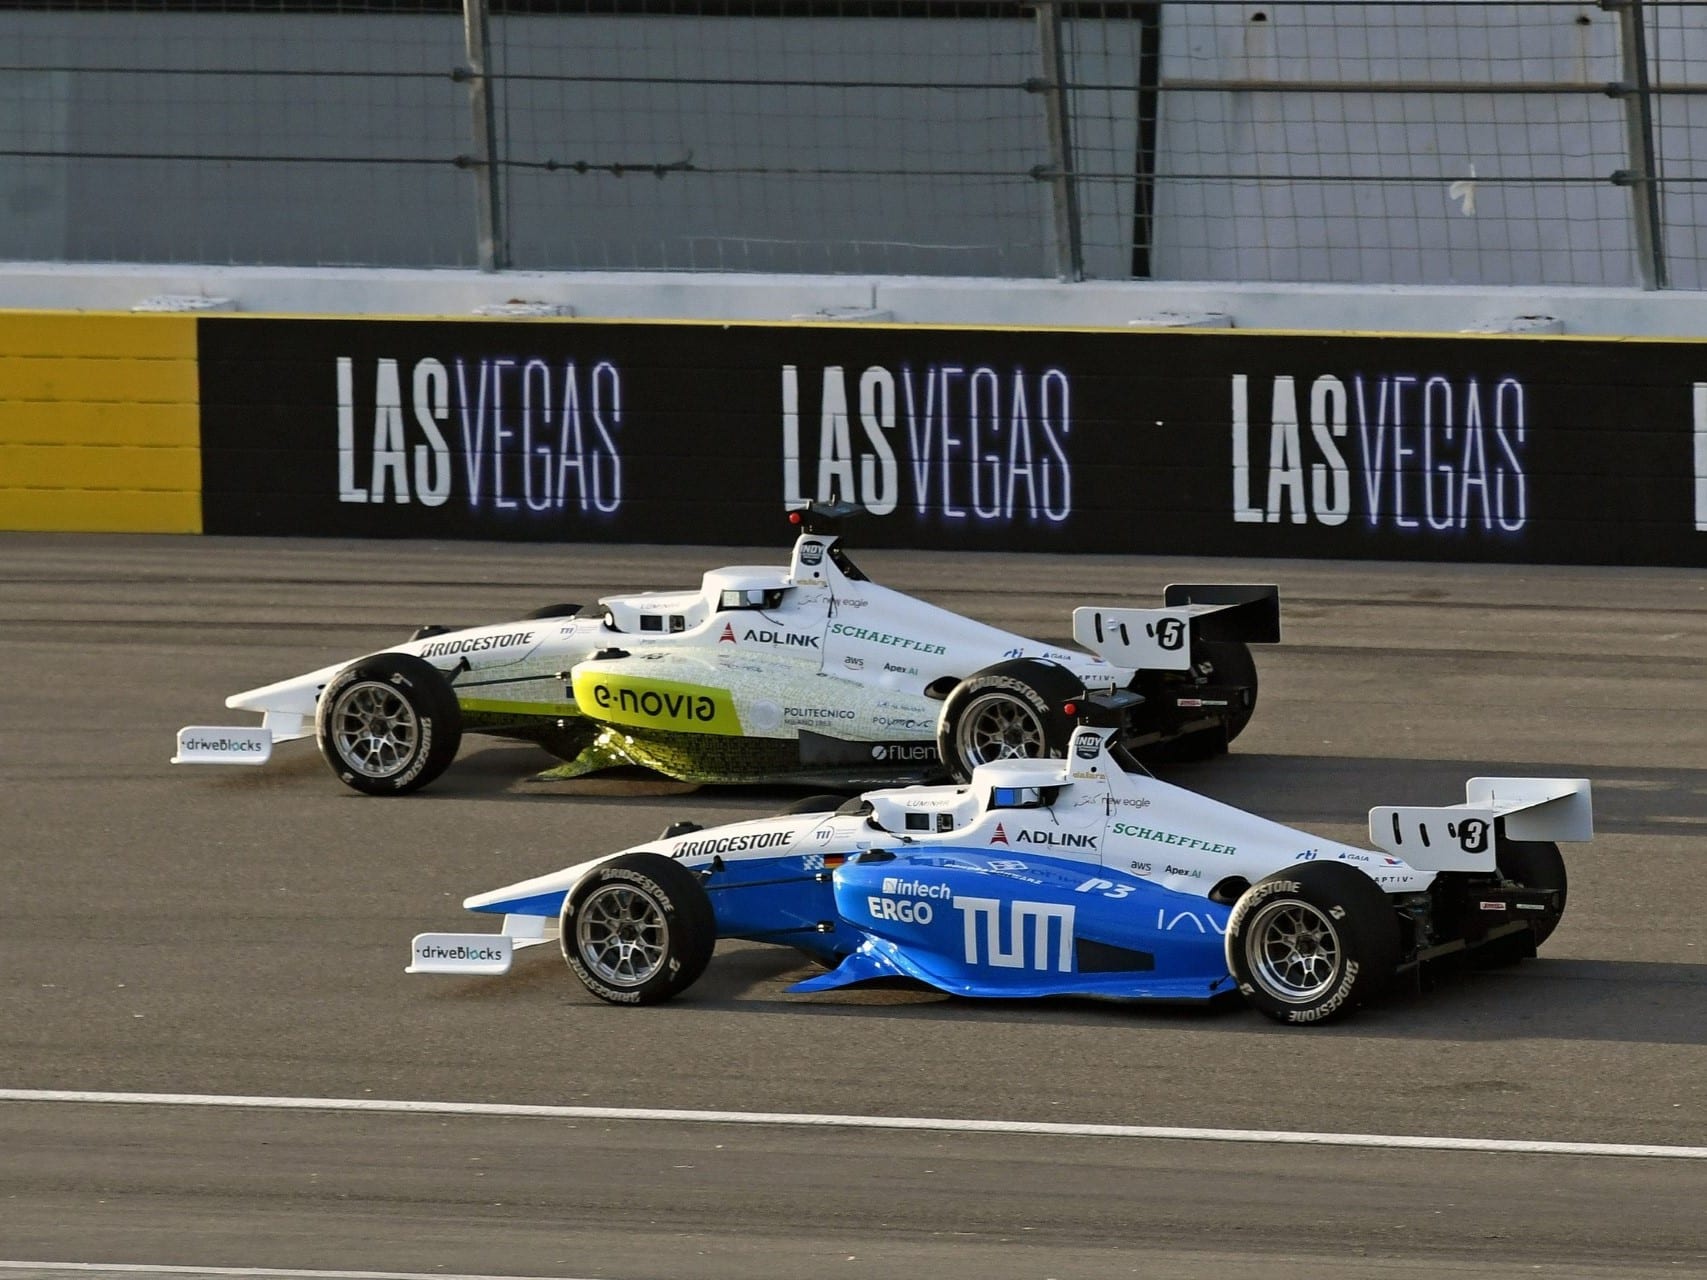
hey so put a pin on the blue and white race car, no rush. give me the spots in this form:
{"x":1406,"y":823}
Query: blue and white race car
{"x":1081,"y":877}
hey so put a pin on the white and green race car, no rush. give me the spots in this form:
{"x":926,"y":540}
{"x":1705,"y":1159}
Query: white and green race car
{"x":805,"y":672}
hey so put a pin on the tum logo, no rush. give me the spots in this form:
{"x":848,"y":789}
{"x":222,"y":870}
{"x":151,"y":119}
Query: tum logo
{"x":1029,"y":934}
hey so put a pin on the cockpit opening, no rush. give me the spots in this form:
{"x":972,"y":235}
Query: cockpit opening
{"x":750,"y":598}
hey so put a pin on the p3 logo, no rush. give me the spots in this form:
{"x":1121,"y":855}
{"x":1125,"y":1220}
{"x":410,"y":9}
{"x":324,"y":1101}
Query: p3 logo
{"x":1472,"y":834}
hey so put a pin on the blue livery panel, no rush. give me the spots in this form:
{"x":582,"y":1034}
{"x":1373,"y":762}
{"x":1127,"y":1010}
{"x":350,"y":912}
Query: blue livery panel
{"x":975,"y":923}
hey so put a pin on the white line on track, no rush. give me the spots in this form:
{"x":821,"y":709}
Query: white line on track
{"x":1041,"y":1129}
{"x":149,"y":1269}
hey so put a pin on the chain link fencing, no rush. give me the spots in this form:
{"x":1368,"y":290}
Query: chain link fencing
{"x":1537,"y":143}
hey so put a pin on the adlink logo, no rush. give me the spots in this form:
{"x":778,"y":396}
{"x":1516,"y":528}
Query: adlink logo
{"x":659,"y":704}
{"x":1058,"y":839}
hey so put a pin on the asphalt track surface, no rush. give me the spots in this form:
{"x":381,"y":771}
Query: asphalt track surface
{"x":243,"y":933}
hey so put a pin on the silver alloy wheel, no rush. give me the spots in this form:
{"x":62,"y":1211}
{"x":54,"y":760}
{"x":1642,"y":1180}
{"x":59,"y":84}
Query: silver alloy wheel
{"x":998,"y":726}
{"x":375,"y":728}
{"x":1293,"y":951}
{"x":621,"y":935}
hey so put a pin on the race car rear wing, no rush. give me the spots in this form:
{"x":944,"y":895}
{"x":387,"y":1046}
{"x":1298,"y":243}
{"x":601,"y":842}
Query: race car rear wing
{"x":1463,"y":837}
{"x":1161,"y":639}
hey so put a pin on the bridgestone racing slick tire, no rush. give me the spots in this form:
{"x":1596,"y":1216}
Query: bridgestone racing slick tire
{"x":389,"y":724}
{"x":551,"y":611}
{"x":1230,"y":663}
{"x":638,"y":930}
{"x":1312,"y":942}
{"x":1535,"y":864}
{"x":1233,"y":664}
{"x":1011,"y":711}
{"x":823,"y":803}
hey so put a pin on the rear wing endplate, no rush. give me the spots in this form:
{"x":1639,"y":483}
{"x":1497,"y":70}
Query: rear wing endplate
{"x":1161,"y":639}
{"x":1461,"y":837}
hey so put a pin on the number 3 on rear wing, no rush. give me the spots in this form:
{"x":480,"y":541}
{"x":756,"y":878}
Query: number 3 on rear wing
{"x":1161,"y":639}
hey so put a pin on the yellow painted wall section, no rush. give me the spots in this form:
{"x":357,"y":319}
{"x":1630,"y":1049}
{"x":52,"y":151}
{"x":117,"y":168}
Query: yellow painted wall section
{"x":100,"y":430}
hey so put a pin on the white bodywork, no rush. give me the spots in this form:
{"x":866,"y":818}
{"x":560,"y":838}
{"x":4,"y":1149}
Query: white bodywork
{"x":1101,"y":815}
{"x":778,"y":650}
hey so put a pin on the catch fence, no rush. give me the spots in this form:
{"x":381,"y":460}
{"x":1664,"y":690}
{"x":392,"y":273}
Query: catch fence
{"x":1538,"y":143}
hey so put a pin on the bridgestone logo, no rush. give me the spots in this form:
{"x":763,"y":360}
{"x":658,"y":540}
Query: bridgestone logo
{"x":1333,"y":1002}
{"x":420,"y":761}
{"x":733,"y":844}
{"x":477,"y":644}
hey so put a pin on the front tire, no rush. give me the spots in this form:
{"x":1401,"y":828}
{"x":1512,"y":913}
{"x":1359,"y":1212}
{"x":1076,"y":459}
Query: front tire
{"x":1312,"y":942}
{"x":638,"y":930}
{"x":1011,"y":711}
{"x":388,"y":725}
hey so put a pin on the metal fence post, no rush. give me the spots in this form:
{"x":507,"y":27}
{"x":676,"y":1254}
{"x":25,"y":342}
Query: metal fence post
{"x":1642,"y":177}
{"x":1069,"y":251}
{"x":489,"y":215}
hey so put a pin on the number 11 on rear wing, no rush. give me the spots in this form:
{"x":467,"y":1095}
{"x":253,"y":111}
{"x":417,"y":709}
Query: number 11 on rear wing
{"x":1161,"y":639}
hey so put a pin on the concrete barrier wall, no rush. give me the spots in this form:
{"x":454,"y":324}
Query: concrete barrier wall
{"x":99,"y":423}
{"x":1472,"y":448}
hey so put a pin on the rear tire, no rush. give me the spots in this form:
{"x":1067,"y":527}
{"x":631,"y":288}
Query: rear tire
{"x":1312,"y":942}
{"x":551,"y":611}
{"x":388,"y":725}
{"x":1535,"y":864}
{"x":825,"y":803}
{"x":1011,"y":711}
{"x":638,"y":930}
{"x":1230,"y":663}
{"x":1233,"y":664}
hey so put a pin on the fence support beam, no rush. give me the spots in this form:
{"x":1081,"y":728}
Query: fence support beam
{"x":1069,"y":251}
{"x":489,"y":210}
{"x":1642,"y":177}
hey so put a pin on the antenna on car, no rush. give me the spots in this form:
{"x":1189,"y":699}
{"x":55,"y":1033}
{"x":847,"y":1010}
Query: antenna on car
{"x":822,"y":517}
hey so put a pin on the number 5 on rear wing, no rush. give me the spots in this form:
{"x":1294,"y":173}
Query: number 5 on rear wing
{"x":1161,"y":639}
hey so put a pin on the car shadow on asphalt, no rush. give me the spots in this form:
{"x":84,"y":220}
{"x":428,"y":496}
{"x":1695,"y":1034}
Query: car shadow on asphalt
{"x":1619,"y":1001}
